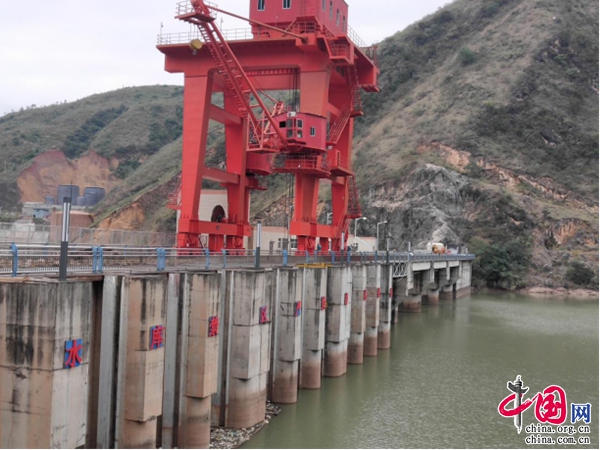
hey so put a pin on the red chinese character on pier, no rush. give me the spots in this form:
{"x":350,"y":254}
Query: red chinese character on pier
{"x":378,"y":292}
{"x":263,"y":315}
{"x":213,"y":326}
{"x":156,"y":336}
{"x":323,"y":303}
{"x":365,"y":295}
{"x":345,"y":298}
{"x":73,"y":356}
{"x":298,"y":310}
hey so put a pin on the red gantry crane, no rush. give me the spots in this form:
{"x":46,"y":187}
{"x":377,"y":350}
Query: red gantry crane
{"x":305,"y":46}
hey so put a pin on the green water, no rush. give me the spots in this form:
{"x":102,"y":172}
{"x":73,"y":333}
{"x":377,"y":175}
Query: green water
{"x":441,"y":382}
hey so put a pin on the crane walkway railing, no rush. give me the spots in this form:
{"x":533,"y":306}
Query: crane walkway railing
{"x":16,"y":260}
{"x":233,"y":34}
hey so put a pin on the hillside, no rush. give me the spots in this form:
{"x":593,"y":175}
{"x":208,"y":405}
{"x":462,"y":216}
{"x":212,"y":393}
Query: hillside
{"x":485,"y":133}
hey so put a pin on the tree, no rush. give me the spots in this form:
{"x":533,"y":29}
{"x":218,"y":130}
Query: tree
{"x":466,"y":56}
{"x":580,"y":274}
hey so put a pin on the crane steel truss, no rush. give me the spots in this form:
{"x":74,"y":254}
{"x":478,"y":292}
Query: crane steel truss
{"x":327,"y":69}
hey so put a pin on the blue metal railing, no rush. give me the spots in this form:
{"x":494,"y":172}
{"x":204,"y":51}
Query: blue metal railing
{"x":30,"y":259}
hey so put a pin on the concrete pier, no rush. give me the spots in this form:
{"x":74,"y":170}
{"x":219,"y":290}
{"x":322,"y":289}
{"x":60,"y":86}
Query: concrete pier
{"x":141,"y":360}
{"x":413,"y":286}
{"x":463,"y":284}
{"x":430,"y":286}
{"x":372,"y":309}
{"x":339,"y":304}
{"x":433,"y":297}
{"x":194,"y":328}
{"x":314,"y":302}
{"x":447,"y":292}
{"x":358,"y":315}
{"x":287,"y":336}
{"x":385,"y":308}
{"x":246,"y":359}
{"x":452,"y":275}
{"x":46,"y":332}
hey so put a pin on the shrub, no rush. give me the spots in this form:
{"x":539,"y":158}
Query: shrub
{"x":490,"y":9}
{"x":466,"y":56}
{"x":126,"y":167}
{"x":502,"y":266}
{"x":580,"y":274}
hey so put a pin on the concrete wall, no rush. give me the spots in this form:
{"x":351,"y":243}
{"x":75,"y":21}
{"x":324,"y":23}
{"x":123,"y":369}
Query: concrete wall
{"x":43,"y":400}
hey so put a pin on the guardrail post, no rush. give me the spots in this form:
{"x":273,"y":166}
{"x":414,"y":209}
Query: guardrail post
{"x":285,"y":258}
{"x":348,"y":257}
{"x":376,"y":256}
{"x":207,"y":254}
{"x":306,"y":254}
{"x":94,"y":257}
{"x":100,"y":260}
{"x":332,"y":256}
{"x":15,"y":259}
{"x":160,"y":259}
{"x":224,"y":258}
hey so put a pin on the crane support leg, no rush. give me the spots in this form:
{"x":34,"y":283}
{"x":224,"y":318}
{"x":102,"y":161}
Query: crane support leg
{"x":196,"y":108}
{"x":238,"y":194}
{"x":304,"y":225}
{"x":339,"y":205}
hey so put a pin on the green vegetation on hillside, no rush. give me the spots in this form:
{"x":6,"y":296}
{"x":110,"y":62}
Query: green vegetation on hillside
{"x":79,"y":141}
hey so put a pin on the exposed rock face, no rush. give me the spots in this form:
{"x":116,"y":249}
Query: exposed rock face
{"x":419,"y":208}
{"x":50,"y":169}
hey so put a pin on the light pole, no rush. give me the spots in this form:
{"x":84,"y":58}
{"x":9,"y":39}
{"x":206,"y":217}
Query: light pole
{"x":258,"y":238}
{"x":64,"y":240}
{"x":355,"y":223}
{"x":379,"y":223}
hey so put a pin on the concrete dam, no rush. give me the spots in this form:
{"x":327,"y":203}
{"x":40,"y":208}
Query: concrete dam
{"x":149,"y":360}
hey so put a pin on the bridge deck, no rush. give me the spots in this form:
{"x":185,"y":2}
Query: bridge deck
{"x":40,"y":260}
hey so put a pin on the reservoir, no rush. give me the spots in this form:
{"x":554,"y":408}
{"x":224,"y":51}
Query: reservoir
{"x":447,"y":370}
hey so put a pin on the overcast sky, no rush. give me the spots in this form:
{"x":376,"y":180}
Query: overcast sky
{"x":57,"y":50}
